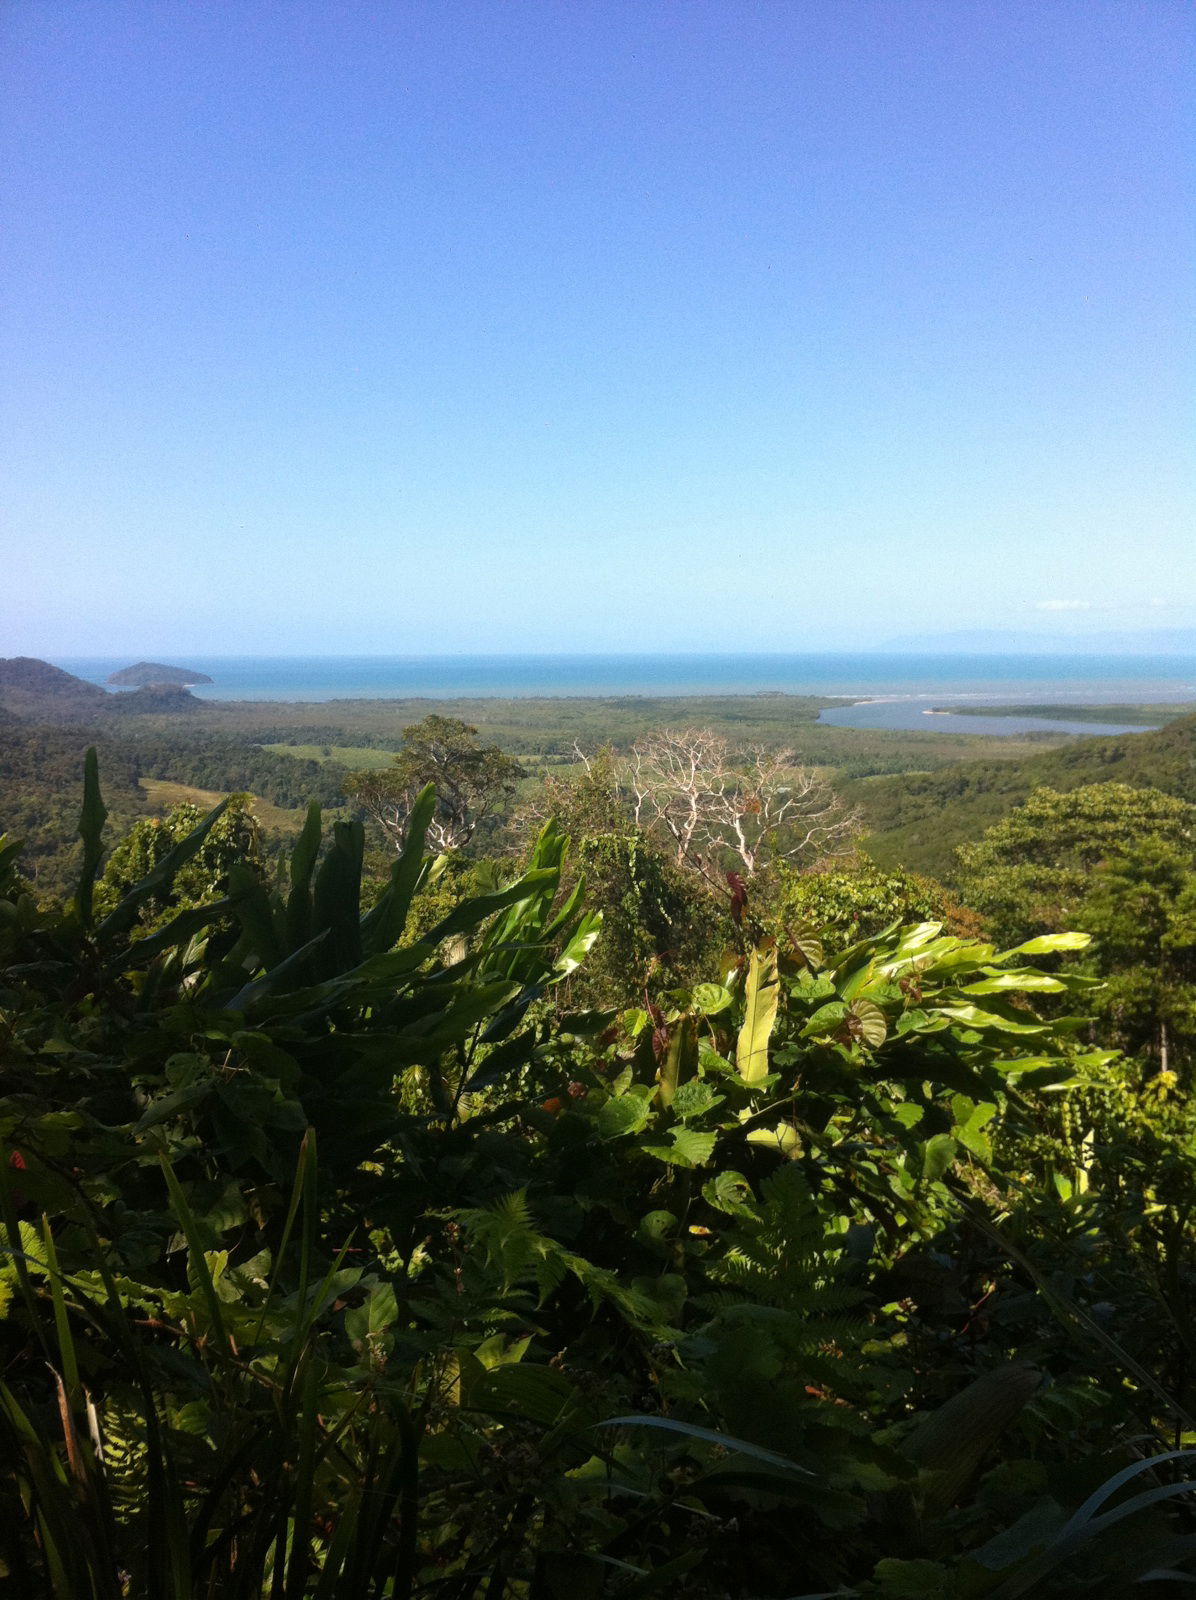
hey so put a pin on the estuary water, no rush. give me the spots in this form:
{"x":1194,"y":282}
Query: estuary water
{"x":930,"y":714}
{"x":898,"y":689}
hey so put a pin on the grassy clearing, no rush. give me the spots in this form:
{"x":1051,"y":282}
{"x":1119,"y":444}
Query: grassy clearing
{"x":161,"y":795}
{"x":355,"y":756}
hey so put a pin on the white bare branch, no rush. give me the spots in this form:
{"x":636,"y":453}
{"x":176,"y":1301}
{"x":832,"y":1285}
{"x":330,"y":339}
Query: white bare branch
{"x":733,"y":808}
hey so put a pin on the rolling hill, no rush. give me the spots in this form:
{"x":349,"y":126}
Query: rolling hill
{"x":916,"y":820}
{"x":36,"y":690}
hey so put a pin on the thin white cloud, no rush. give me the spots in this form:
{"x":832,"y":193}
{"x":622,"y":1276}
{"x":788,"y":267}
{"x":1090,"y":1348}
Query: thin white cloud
{"x":1062,"y":605}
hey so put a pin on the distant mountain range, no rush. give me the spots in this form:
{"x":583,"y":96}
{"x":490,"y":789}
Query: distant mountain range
{"x":1000,"y":642}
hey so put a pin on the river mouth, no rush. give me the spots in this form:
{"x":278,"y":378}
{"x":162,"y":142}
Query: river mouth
{"x":934,"y":714}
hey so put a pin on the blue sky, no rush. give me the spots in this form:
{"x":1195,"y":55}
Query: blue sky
{"x":570,"y":325}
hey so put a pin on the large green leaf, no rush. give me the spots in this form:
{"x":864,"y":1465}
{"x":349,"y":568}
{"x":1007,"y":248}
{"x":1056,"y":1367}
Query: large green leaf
{"x":528,"y":920}
{"x":465,"y":917}
{"x":680,"y":1062}
{"x":711,"y":998}
{"x":937,"y":1155}
{"x":423,"y":1041}
{"x":761,"y":995}
{"x":781,"y":1139}
{"x":10,"y":849}
{"x":382,"y":928}
{"x":806,"y":944}
{"x":336,"y":901}
{"x":721,"y":1441}
{"x":581,"y":942}
{"x":256,"y":912}
{"x":178,"y":931}
{"x":301,"y":866}
{"x":826,"y":1020}
{"x":694,"y":1097}
{"x":687,"y":1147}
{"x":1013,"y":983}
{"x":528,"y":1392}
{"x":1048,"y":944}
{"x":1085,"y":1526}
{"x":868,"y":1022}
{"x":951,"y":1443}
{"x":970,"y":1016}
{"x":91,"y":830}
{"x":278,"y":978}
{"x":625,"y":1113}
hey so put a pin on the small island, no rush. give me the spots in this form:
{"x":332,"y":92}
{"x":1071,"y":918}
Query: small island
{"x":147,"y":674}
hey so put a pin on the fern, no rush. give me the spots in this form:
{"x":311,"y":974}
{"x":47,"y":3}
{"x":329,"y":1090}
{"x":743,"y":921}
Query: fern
{"x":509,"y":1243}
{"x":125,"y":1454}
{"x":786,"y":1334}
{"x":784,"y":1253}
{"x":506,"y":1236}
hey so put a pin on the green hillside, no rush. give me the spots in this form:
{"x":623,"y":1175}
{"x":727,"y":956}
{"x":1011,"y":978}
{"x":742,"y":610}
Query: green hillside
{"x":917,"y":819}
{"x":34,"y":689}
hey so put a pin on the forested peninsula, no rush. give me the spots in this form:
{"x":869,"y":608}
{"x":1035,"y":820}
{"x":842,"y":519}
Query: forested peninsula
{"x":597,"y":1148}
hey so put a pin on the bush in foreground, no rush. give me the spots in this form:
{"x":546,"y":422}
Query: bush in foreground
{"x":341,"y":1264}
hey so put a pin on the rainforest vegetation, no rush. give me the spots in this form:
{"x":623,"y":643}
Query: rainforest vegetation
{"x":920,"y":793}
{"x":594,"y":1172}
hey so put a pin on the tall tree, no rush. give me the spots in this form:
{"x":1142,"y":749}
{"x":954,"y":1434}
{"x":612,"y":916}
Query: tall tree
{"x":1141,"y":908}
{"x":1032,"y":871}
{"x":472,"y":781}
{"x":1118,"y":863}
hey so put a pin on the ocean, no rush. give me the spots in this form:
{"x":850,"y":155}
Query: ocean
{"x":899,"y":688}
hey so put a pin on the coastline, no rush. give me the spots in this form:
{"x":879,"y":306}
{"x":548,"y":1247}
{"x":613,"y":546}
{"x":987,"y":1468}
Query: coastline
{"x":871,"y":678}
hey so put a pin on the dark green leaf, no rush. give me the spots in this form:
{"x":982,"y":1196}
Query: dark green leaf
{"x":91,"y":831}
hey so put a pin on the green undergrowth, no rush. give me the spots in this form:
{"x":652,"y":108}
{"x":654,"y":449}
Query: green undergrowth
{"x":345,"y":1256}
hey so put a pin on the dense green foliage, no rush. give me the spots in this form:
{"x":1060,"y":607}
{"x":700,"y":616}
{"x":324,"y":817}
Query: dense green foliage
{"x":1121,"y":863}
{"x":39,"y":769}
{"x":855,"y":898}
{"x":345,"y":1258}
{"x":1033,"y":869}
{"x":231,"y":845}
{"x":39,"y":775}
{"x":660,"y":922}
{"x":918,"y":820}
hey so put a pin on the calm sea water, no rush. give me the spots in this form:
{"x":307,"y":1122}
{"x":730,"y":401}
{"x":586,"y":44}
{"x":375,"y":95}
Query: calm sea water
{"x":905,"y":686}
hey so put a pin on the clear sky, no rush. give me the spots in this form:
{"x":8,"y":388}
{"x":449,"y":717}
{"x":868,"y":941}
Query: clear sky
{"x":437,"y":325}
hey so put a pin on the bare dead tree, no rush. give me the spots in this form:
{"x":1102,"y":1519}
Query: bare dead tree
{"x":674,"y":776}
{"x":721,"y":806}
